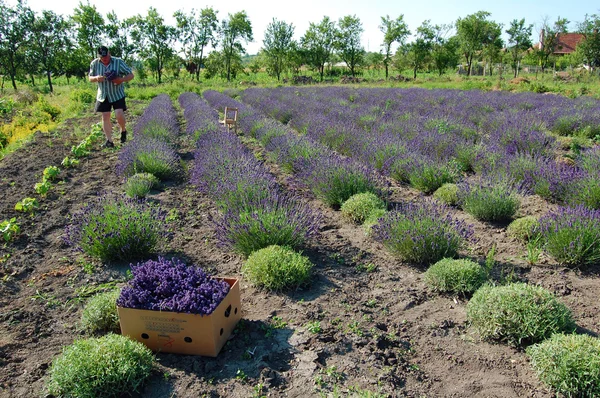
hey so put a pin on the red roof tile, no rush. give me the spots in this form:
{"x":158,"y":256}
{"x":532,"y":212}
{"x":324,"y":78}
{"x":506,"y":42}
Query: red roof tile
{"x":567,"y":42}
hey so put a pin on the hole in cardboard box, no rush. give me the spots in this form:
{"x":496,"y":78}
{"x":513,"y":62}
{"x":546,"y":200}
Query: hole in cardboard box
{"x":235,"y":311}
{"x":145,"y":336}
{"x":228,"y":311}
{"x":221,"y":332}
{"x":187,"y":339}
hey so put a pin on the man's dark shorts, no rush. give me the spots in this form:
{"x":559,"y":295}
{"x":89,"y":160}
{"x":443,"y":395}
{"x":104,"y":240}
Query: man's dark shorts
{"x":106,"y":106}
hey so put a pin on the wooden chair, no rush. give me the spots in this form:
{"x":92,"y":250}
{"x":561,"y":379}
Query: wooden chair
{"x":230,"y":118}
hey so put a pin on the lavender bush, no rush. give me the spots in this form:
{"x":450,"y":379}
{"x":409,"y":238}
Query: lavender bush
{"x":487,"y":201}
{"x":113,"y":227}
{"x":171,"y":285}
{"x":422,"y":232}
{"x":572,"y":235}
{"x":159,"y":120}
{"x":276,"y":220}
{"x":148,"y":155}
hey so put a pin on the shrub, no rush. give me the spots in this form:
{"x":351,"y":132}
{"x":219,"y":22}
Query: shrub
{"x":372,"y":220}
{"x":524,"y":228}
{"x":488,"y":202}
{"x":171,"y":285}
{"x":586,"y":192}
{"x":429,"y":176}
{"x":42,"y":188}
{"x":276,"y":220}
{"x":359,"y":206}
{"x":517,"y":313}
{"x":447,"y":193}
{"x":455,"y":276}
{"x":139,"y":184}
{"x":423,"y":232}
{"x":569,"y":363}
{"x":572,"y":235}
{"x":100,"y":313}
{"x":335,"y":180}
{"x":277,"y":268}
{"x":108,"y":366}
{"x":113,"y":227}
{"x":148,"y":155}
{"x":82,"y":96}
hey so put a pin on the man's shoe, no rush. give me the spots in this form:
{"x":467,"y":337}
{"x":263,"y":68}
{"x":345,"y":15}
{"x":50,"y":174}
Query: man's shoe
{"x":123,"y":137}
{"x":108,"y":144}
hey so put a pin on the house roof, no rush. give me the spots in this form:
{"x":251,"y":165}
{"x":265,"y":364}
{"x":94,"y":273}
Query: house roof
{"x":567,"y":42}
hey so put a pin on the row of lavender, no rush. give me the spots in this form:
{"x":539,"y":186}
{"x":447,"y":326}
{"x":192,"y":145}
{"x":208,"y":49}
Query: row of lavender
{"x":255,"y":211}
{"x":420,"y":232}
{"x":428,"y":138}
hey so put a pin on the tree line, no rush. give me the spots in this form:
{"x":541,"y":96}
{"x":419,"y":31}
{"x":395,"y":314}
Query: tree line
{"x":49,"y":44}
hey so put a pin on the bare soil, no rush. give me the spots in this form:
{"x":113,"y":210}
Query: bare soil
{"x":381,"y":329}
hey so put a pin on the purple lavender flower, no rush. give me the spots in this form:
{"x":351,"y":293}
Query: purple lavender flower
{"x":171,"y":285}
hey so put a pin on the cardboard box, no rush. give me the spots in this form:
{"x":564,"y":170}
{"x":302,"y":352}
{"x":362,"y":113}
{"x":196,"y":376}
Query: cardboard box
{"x":180,"y":333}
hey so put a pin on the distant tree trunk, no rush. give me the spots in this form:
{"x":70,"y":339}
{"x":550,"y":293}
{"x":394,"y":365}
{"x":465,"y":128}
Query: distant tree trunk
{"x":48,"y":75}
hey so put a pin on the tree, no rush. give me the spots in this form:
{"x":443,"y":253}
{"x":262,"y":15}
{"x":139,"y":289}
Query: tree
{"x":374,"y":60}
{"x":155,"y":40}
{"x":15,"y":31}
{"x":347,"y":41}
{"x":278,"y":45}
{"x":394,"y":31}
{"x":445,"y":53}
{"x":90,"y":27}
{"x":119,"y":33}
{"x":493,"y":44}
{"x":474,"y":31}
{"x":549,"y":40}
{"x":419,"y":51}
{"x":48,"y":41}
{"x":318,"y":43}
{"x":196,"y":33}
{"x":589,"y":47}
{"x":519,"y":41}
{"x":233,"y":31}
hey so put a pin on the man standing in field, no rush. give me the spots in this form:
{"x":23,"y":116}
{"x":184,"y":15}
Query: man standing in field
{"x":110,"y":73}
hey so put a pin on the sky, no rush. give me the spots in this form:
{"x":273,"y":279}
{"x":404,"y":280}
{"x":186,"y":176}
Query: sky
{"x":302,"y":13}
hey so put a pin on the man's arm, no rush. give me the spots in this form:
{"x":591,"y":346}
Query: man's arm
{"x":126,"y":78}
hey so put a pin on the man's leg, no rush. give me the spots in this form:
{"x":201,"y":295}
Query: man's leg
{"x":107,"y":125}
{"x":120,"y":116}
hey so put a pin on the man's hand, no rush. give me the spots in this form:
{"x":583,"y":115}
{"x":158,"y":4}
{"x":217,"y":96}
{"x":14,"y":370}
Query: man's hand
{"x":118,"y":80}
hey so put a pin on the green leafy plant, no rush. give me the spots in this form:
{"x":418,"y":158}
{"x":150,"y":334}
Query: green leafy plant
{"x":68,"y":162}
{"x":524,"y":228}
{"x":314,"y":327}
{"x":372,"y":220}
{"x":460,"y":276}
{"x":108,"y":366}
{"x":569,"y":363}
{"x":80,"y":150}
{"x":517,"y":313}
{"x":42,"y":188}
{"x":140,"y":184}
{"x":277,"y":268}
{"x":9,"y":229}
{"x":51,"y":173}
{"x":448,"y":194}
{"x":359,"y":206}
{"x":27,"y":205}
{"x":100,"y":313}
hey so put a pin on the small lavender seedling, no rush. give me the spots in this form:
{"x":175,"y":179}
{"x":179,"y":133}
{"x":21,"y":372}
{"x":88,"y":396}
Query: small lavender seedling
{"x":517,"y":313}
{"x":277,"y":268}
{"x":569,"y":363}
{"x":358,"y":207}
{"x":460,"y":276}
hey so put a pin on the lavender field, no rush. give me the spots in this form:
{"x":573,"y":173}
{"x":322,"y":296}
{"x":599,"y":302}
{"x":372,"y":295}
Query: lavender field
{"x":437,"y":242}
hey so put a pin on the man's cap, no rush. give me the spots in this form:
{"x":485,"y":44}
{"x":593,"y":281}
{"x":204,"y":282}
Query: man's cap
{"x":102,"y":51}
